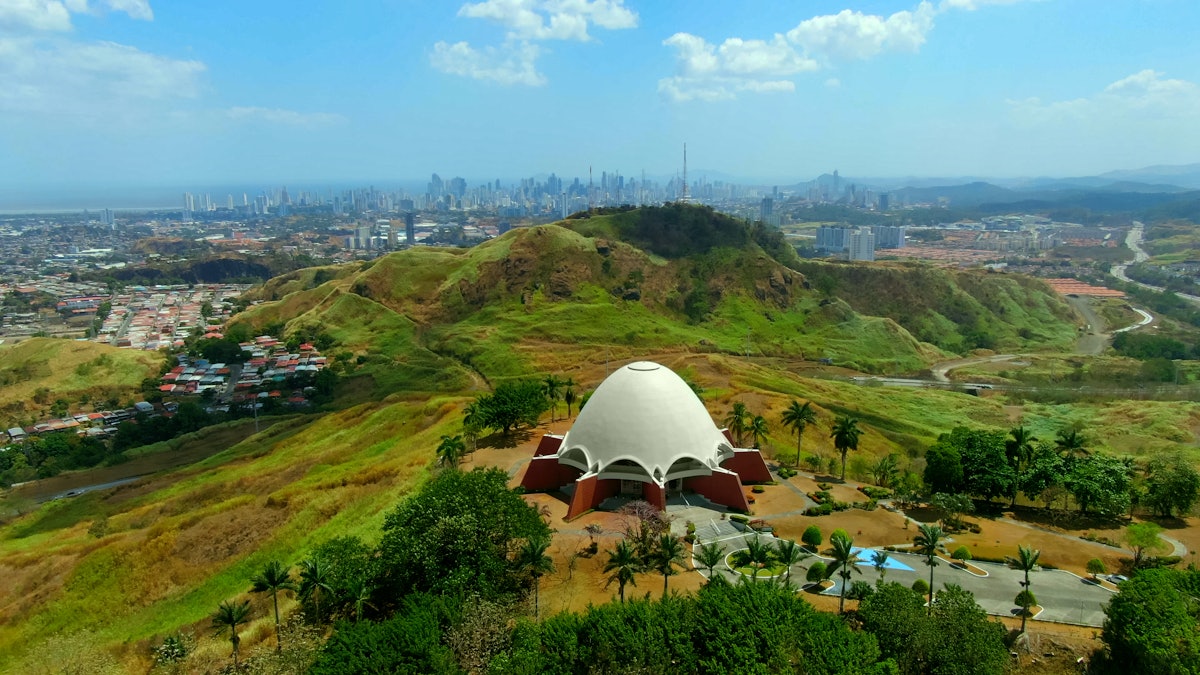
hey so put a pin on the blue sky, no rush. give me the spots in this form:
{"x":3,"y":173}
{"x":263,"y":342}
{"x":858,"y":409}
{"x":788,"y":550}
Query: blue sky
{"x":123,"y":92}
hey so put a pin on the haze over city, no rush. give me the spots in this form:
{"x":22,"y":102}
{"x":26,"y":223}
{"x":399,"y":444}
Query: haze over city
{"x":114,"y":93}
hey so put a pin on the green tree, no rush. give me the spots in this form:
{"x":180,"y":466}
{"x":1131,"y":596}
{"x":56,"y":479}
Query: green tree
{"x":552,"y":388}
{"x":709,"y":556}
{"x":943,"y":467}
{"x":885,"y":471}
{"x":927,"y":543}
{"x":812,"y":537}
{"x":623,"y":566}
{"x":962,"y":554}
{"x":845,"y":437}
{"x":1095,"y":567}
{"x":569,"y":396}
{"x":532,"y":560}
{"x":227,"y":618}
{"x":1019,"y":449}
{"x":273,"y":578}
{"x":797,"y":418}
{"x":758,"y":430}
{"x":451,"y":450}
{"x":315,"y":584}
{"x":1026,"y":561}
{"x":1173,"y":485}
{"x":1070,"y":443}
{"x":788,"y":553}
{"x":738,"y":422}
{"x":1025,"y":599}
{"x":893,"y":614}
{"x":816,"y":572}
{"x":845,"y":563}
{"x":1142,"y":538}
{"x":957,"y":639}
{"x":512,"y":404}
{"x":667,"y":555}
{"x":1151,"y":626}
{"x":879,"y":560}
{"x":1100,"y":483}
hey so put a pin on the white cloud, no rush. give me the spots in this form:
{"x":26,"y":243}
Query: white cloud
{"x":1139,"y":97}
{"x":55,"y":15}
{"x":552,"y":19}
{"x":833,"y":83}
{"x":972,"y":5}
{"x":279,"y":116}
{"x":710,"y":73}
{"x":508,"y":65}
{"x":75,"y":78}
{"x":853,"y":35}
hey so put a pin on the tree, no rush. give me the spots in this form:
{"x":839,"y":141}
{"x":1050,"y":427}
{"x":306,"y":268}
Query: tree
{"x":1070,"y":443}
{"x":512,"y":404}
{"x":532,"y":559}
{"x":359,"y":591}
{"x":893,"y":614}
{"x":845,"y":562}
{"x":1142,"y":538}
{"x":552,"y":388}
{"x":879,"y":560}
{"x":797,"y":418}
{"x":816,"y":572}
{"x":885,"y":471}
{"x":845,"y":437}
{"x":943,"y":468}
{"x":985,"y":468}
{"x":756,"y":555}
{"x":1151,"y":627}
{"x":667,"y":555}
{"x":273,"y":578}
{"x":226,"y":618}
{"x":962,"y":554}
{"x":758,"y":430}
{"x":1099,"y":482}
{"x":958,"y":638}
{"x":569,"y":396}
{"x":927,"y":543}
{"x":952,"y":508}
{"x":1025,"y":599}
{"x":710,"y":556}
{"x":738,"y":421}
{"x":451,"y":450}
{"x":812,"y":537}
{"x":1026,"y":561}
{"x":1095,"y":567}
{"x":788,"y":553}
{"x":1173,"y":485}
{"x":622,"y":567}
{"x":455,"y":535}
{"x":315,"y":582}
{"x":1044,"y":474}
{"x":1019,"y":449}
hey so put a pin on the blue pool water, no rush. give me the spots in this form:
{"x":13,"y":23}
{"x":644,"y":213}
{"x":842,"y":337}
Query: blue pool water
{"x":891,"y":564}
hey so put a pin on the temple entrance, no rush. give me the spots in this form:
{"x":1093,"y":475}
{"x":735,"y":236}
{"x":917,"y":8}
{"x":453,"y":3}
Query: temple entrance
{"x":631,"y":488}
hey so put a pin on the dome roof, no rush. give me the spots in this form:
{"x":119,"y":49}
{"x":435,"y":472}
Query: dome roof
{"x":644,"y":423}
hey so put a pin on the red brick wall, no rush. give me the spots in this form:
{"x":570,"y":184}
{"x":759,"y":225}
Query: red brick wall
{"x":545,"y":473}
{"x":720,"y":488}
{"x":749,"y":466}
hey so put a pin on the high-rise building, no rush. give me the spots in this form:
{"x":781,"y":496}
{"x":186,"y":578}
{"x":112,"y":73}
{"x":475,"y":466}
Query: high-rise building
{"x":862,"y":245}
{"x":889,"y":236}
{"x":832,"y":239}
{"x":392,"y":236}
{"x":883,"y":201}
{"x":410,"y":228}
{"x":766,"y":209}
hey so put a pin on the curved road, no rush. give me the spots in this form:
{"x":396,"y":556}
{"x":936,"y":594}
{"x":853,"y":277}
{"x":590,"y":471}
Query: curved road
{"x":1134,"y":241}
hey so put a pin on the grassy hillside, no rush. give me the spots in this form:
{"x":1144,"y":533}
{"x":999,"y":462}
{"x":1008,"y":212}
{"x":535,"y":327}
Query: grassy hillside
{"x":955,"y":310}
{"x":37,"y":372}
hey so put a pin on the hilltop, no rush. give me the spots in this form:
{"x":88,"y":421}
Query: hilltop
{"x":656,"y":278}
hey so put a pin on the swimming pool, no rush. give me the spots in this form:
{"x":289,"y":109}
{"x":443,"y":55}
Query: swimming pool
{"x":865,"y":554}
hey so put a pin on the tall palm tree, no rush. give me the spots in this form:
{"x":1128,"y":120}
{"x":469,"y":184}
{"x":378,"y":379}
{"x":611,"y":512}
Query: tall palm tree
{"x":879,"y":560}
{"x":737,"y":421}
{"x":532,"y":558}
{"x":845,"y":563}
{"x":451,"y":450}
{"x":569,"y":396}
{"x":552,"y":387}
{"x":1070,"y":443}
{"x":926,"y":543}
{"x":757,"y":553}
{"x":623,"y":566}
{"x":788,"y":553}
{"x":758,"y":430}
{"x":797,"y":417}
{"x":667,"y":555}
{"x":360,"y":589}
{"x":1026,"y":561}
{"x":272,"y":579}
{"x":709,"y":556}
{"x":227,"y":617}
{"x":315,"y":582}
{"x":845,"y":436}
{"x":1018,"y":448}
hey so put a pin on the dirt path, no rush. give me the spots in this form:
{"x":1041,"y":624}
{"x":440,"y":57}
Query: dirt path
{"x":1094,"y":340}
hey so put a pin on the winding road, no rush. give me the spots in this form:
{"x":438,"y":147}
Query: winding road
{"x":1134,"y":241}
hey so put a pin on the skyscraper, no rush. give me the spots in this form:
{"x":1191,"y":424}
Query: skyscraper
{"x":766,"y":209}
{"x":862,"y":245}
{"x":410,"y":229}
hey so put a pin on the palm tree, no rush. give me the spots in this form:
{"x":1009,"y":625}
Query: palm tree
{"x":315,"y":581}
{"x":450,"y":450}
{"x":709,"y":556}
{"x":666,"y":557}
{"x":926,"y":543}
{"x":623,"y":565}
{"x":788,"y":553}
{"x":757,"y":554}
{"x":227,"y":617}
{"x":884,"y":471}
{"x":360,"y":590}
{"x":797,"y":417}
{"x":1026,"y":561}
{"x":1070,"y":443}
{"x":845,"y":437}
{"x":758,"y":430}
{"x":569,"y":394}
{"x":552,"y":387}
{"x":845,"y":563}
{"x":1025,"y":599}
{"x":879,"y":560}
{"x":272,"y":579}
{"x":532,"y":558}
{"x":738,"y":420}
{"x":1019,"y":450}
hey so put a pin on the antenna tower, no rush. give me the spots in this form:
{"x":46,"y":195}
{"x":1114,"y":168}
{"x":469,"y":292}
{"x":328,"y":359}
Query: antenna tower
{"x":591,"y":191}
{"x":684,"y":196}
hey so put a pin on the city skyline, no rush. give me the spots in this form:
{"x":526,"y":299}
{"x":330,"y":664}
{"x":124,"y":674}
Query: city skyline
{"x":130,"y":92}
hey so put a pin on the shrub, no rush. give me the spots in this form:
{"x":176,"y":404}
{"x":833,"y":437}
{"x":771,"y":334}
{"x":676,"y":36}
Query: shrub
{"x":816,"y":572}
{"x":825,"y":486}
{"x":758,"y":489}
{"x":740,"y":518}
{"x":921,"y":586}
{"x":962,"y":554}
{"x":785,"y":472}
{"x":1095,"y":567}
{"x":812,"y":537}
{"x":859,"y":590}
{"x":825,"y":509}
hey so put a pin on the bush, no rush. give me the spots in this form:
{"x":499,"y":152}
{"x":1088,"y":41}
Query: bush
{"x":785,"y":472}
{"x":816,"y":572}
{"x":962,"y":554}
{"x":758,"y":489}
{"x":825,"y":486}
{"x":811,"y":537}
{"x":875,"y":492}
{"x":740,"y":518}
{"x":859,"y":590}
{"x":921,"y":586}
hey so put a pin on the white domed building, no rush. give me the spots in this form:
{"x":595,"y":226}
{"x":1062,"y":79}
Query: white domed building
{"x":644,"y":434}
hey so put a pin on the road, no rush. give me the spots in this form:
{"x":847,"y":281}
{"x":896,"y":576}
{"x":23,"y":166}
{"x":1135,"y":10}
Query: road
{"x":1134,"y":241}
